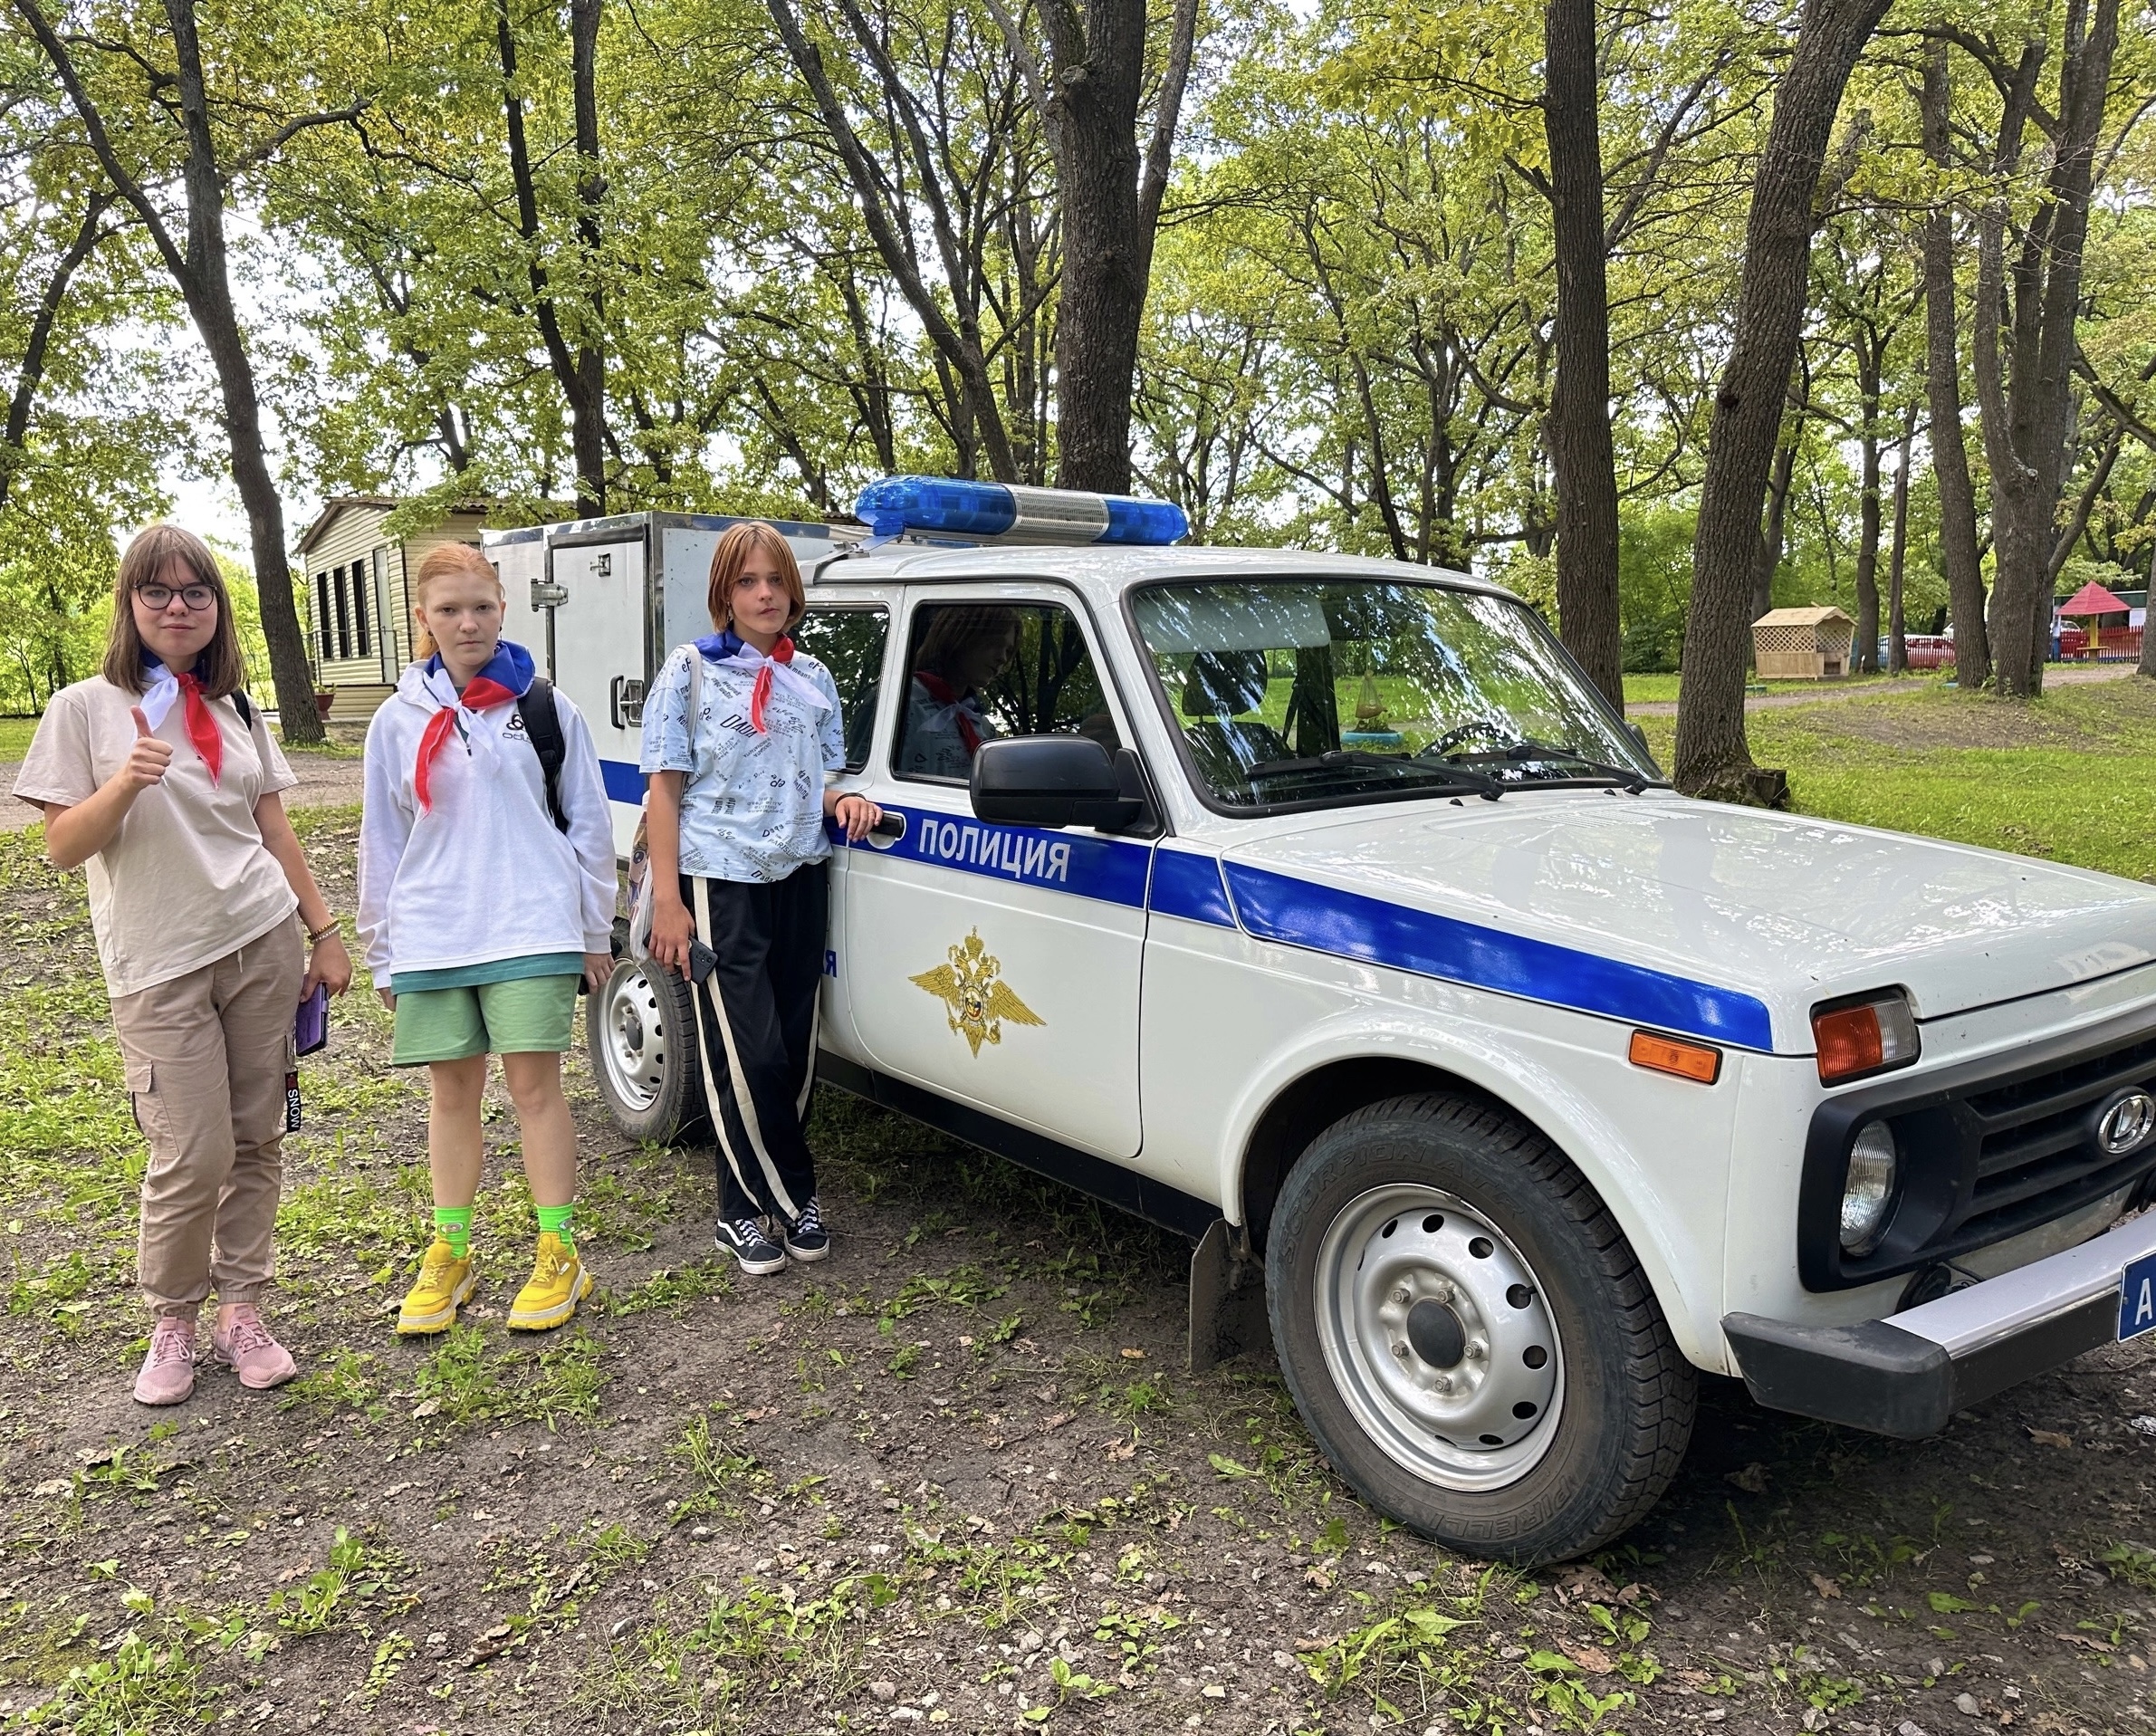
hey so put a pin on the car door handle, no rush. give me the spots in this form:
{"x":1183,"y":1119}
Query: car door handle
{"x":887,"y":830}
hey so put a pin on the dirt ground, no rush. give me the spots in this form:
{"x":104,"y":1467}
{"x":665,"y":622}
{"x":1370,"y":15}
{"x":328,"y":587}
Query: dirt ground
{"x":955,"y":1476}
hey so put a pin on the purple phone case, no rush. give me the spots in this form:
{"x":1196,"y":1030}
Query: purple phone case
{"x":311,"y":1028}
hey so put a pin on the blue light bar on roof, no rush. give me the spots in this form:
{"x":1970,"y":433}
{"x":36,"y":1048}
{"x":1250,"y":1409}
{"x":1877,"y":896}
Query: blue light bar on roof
{"x":937,"y":506}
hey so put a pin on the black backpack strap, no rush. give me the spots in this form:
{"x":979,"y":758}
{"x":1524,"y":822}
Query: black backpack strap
{"x":543,"y":725}
{"x":245,"y":706}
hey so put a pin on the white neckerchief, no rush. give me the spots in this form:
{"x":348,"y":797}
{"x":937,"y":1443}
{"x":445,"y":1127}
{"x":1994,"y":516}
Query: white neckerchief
{"x":159,"y":697}
{"x":481,"y":736}
{"x":752,"y":662}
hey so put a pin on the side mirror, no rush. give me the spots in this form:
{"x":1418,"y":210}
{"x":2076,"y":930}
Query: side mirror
{"x":1051,"y":781}
{"x":1639,"y":738}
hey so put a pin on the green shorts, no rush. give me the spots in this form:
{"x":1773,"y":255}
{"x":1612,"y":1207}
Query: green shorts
{"x":533,"y":1015}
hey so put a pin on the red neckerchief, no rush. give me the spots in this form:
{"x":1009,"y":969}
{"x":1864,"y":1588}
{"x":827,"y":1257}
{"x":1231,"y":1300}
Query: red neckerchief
{"x":480,"y":693}
{"x":939,"y":690}
{"x":201,"y":728}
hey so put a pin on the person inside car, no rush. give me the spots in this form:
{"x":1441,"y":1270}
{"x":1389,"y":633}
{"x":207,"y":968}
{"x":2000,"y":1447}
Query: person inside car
{"x":945,"y":722}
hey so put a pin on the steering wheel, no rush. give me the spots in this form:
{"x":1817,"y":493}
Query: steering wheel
{"x":1468,"y":731}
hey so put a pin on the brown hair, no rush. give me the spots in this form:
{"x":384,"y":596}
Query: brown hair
{"x":221,"y":667}
{"x":441,"y":561}
{"x":735,"y":546}
{"x":954,"y":628}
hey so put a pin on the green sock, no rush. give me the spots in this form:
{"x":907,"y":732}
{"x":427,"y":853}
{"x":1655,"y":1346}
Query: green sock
{"x":554,"y":1220}
{"x":453,"y":1224}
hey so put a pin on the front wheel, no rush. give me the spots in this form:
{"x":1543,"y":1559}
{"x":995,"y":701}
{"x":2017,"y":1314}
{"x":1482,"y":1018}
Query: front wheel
{"x":1468,"y":1335}
{"x":641,"y":1032}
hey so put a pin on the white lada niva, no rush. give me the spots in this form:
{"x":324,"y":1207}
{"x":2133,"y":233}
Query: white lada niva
{"x":1319,"y":908}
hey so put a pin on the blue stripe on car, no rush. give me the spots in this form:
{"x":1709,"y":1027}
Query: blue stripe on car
{"x":1189,"y":886}
{"x":1347,"y":924}
{"x":1080,"y":863}
{"x":624,"y":782}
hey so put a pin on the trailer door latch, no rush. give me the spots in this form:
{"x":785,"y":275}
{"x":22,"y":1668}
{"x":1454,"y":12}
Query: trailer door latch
{"x":625,"y":701}
{"x":547,"y":595}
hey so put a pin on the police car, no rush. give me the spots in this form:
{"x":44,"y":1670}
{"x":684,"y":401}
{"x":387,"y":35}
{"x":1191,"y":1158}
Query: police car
{"x":1319,"y":908}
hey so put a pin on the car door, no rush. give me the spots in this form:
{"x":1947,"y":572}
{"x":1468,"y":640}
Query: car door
{"x":998,"y":966}
{"x":850,"y":637}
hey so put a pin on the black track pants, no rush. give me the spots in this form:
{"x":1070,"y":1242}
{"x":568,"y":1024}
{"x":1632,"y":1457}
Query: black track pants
{"x":756,"y":1017}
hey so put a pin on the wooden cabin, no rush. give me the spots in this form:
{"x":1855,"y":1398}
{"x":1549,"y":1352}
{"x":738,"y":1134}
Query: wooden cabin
{"x":1802,"y":644}
{"x":358,"y":610}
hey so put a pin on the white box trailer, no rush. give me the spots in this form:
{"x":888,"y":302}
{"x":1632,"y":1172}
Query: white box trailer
{"x":600,"y":602}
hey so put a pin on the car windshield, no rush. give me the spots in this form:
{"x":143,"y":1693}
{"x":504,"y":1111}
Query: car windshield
{"x":1309,"y":693}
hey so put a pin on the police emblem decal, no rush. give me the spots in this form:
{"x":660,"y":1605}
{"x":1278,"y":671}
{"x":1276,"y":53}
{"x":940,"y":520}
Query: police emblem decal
{"x":976,"y":1000}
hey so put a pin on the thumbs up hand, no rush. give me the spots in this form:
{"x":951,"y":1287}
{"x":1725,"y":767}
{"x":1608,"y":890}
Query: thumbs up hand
{"x":146,"y":761}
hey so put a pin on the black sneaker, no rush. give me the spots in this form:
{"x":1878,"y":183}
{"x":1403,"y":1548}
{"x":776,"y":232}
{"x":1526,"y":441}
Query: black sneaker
{"x":808,"y":1241}
{"x":744,"y":1237}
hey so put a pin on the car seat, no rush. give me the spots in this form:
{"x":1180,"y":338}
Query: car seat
{"x":1217,"y":686}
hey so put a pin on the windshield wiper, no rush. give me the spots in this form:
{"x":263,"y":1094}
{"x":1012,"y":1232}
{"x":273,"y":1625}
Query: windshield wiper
{"x":1526,"y":748}
{"x":1458,"y":777}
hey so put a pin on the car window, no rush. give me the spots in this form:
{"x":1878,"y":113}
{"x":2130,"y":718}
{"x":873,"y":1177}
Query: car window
{"x":979,"y":671}
{"x":849,"y":643}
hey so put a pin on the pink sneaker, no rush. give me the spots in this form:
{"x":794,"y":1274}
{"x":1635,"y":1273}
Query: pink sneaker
{"x":168,"y":1371}
{"x":256,"y":1358}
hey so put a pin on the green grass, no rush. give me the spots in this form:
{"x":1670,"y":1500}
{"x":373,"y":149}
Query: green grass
{"x":14,"y":736}
{"x":2065,"y":778}
{"x":1662,"y":689}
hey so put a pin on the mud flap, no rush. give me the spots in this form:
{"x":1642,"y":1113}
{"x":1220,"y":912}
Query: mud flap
{"x":1227,"y":1299}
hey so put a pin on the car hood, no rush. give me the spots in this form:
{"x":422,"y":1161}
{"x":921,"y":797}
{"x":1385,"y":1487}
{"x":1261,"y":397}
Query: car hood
{"x":1578,"y":886}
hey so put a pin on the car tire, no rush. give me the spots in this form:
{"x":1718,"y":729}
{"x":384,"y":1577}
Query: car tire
{"x":639,"y":1030}
{"x":1468,"y":1335}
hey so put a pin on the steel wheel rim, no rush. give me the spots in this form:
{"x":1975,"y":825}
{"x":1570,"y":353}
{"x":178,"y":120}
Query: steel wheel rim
{"x":632,"y":1045}
{"x":1408,"y":1275}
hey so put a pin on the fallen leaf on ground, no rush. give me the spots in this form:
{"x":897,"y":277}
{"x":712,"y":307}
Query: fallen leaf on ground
{"x":2050,"y":1438}
{"x":1825,"y":1586}
{"x":1752,"y":1479}
{"x":1592,"y":1659}
{"x":1131,"y":1353}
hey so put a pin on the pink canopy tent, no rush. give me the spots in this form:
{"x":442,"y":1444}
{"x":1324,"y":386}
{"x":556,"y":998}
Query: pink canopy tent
{"x":2092,"y":599}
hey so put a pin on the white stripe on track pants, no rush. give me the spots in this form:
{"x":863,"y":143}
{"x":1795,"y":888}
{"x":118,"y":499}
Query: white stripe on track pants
{"x":756,"y":1018}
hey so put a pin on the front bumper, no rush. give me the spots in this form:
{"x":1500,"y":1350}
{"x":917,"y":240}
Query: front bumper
{"x":1905,"y":1376}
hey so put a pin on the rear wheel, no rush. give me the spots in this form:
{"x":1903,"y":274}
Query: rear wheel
{"x":1468,"y":1335}
{"x":640,"y":1030}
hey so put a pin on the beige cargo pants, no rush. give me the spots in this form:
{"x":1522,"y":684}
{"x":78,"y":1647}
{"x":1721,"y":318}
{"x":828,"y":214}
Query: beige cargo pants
{"x":206,"y":1055}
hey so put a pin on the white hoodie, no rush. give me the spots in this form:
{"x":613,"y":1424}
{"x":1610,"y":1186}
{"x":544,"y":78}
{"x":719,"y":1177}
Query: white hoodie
{"x":485,"y":874}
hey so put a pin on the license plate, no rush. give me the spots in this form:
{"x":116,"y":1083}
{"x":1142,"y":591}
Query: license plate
{"x":2137,"y":1298}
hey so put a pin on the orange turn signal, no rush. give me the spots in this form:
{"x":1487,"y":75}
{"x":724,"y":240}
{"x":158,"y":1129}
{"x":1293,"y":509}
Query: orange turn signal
{"x":1659,"y":1054}
{"x":1850,"y":1041}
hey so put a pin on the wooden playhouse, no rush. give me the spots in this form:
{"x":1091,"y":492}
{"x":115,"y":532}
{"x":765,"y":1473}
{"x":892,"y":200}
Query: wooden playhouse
{"x":1803,"y":644}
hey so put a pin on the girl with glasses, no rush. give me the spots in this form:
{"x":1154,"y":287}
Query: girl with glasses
{"x":160,"y":780}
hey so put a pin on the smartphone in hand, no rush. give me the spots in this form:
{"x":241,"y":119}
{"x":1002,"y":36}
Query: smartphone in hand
{"x":703,"y":961}
{"x":310,"y":1027}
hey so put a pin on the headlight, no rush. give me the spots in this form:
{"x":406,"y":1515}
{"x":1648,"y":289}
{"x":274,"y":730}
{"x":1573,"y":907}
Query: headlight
{"x":1868,"y":1034}
{"x":1868,"y":1191}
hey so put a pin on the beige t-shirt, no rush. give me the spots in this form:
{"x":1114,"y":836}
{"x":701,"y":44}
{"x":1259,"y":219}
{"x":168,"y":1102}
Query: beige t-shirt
{"x":187,"y":879}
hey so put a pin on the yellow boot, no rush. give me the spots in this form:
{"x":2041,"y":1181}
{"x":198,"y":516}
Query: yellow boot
{"x":444,"y":1284}
{"x":558,"y":1283}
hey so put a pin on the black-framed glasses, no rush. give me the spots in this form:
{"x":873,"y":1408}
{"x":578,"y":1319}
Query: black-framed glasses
{"x":197,"y":597}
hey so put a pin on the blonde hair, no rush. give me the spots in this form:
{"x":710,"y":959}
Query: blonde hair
{"x":444,"y":561}
{"x":735,"y":546}
{"x":221,"y":667}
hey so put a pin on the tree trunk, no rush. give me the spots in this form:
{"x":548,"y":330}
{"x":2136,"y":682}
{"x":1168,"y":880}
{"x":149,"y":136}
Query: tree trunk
{"x":30,"y":373}
{"x":1897,"y":635}
{"x":1712,"y":756}
{"x":1864,"y":658}
{"x":1959,"y":550}
{"x":2028,"y":400}
{"x":579,"y":368}
{"x":1774,"y":531}
{"x":1110,"y":198}
{"x":1578,"y":428}
{"x":206,"y":284}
